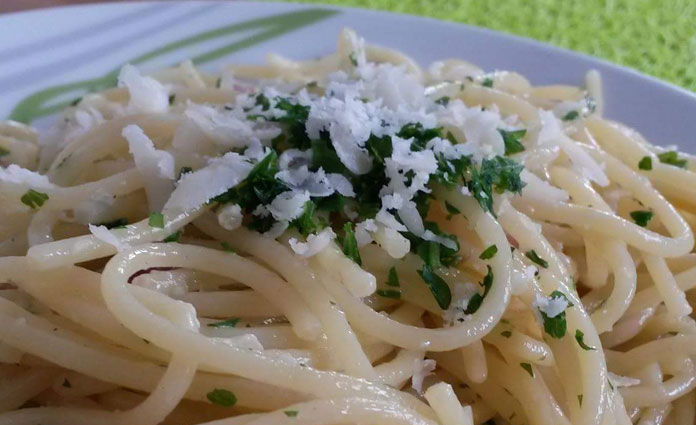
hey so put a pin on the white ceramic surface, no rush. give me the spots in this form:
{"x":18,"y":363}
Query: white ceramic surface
{"x":52,"y":56}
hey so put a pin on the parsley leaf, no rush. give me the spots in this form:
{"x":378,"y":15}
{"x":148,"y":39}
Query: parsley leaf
{"x":229,"y":323}
{"x":350,"y":244}
{"x":534,"y":257}
{"x":641,"y":218}
{"x":174,"y":237}
{"x":451,"y":210}
{"x":444,"y":100}
{"x":570,"y":116}
{"x":672,"y":158}
{"x":324,"y":156}
{"x":306,"y":223}
{"x":353,"y":59}
{"x":115,"y":224}
{"x":487,"y":82}
{"x":221,"y":397}
{"x":506,"y":334}
{"x":227,"y":247}
{"x":34,"y":199}
{"x":512,"y":141}
{"x":579,"y":337}
{"x":389,"y":293}
{"x":645,"y":163}
{"x":429,"y":251}
{"x":477,"y":299}
{"x":489,"y":252}
{"x":3,"y":151}
{"x":580,"y":399}
{"x":499,"y":174}
{"x":393,"y":278}
{"x":156,"y":220}
{"x":291,"y":413}
{"x":528,"y":368}
{"x":437,"y":286}
{"x":556,"y":326}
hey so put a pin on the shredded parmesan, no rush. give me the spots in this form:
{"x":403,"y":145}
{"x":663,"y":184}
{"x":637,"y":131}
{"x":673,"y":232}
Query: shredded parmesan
{"x":421,"y":369}
{"x":230,"y":216}
{"x":196,"y":188}
{"x":552,"y":307}
{"x":103,"y":234}
{"x":156,"y":166}
{"x":14,"y":174}
{"x":314,"y":244}
{"x":147,"y":95}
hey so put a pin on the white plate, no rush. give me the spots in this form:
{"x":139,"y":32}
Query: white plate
{"x":50,"y":57}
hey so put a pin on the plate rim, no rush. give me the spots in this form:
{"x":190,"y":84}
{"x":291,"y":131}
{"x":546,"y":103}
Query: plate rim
{"x":489,"y":32}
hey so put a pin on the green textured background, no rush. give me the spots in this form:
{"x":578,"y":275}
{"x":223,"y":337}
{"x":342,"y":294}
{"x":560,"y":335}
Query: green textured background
{"x":657,"y":37}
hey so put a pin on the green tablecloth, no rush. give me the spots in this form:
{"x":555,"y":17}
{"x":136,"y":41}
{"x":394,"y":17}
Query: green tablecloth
{"x":657,"y":37}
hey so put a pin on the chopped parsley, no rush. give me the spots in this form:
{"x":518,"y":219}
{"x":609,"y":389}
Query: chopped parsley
{"x":534,"y":257}
{"x":437,"y":286}
{"x":218,"y":83}
{"x":489,"y":252}
{"x":156,"y":220}
{"x":389,"y":293}
{"x":444,"y":100}
{"x":291,"y":413}
{"x":172,"y":97}
{"x":118,"y":223}
{"x":174,"y":237}
{"x":227,"y":247}
{"x":451,"y":210}
{"x":229,"y":323}
{"x":641,"y":218}
{"x":556,"y":326}
{"x":645,"y":163}
{"x":570,"y":116}
{"x":3,"y":151}
{"x":512,"y":141}
{"x":76,"y":102}
{"x":353,"y":59}
{"x":672,"y":158}
{"x":506,"y":334}
{"x":580,"y":399}
{"x":34,"y":199}
{"x":222,"y":397}
{"x":528,"y":367}
{"x":579,"y":337}
{"x":487,"y":82}
{"x":477,"y":299}
{"x":393,"y":278}
{"x":350,"y":244}
{"x":184,"y":170}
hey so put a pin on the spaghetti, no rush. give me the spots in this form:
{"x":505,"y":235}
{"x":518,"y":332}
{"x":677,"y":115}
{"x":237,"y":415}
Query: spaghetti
{"x":352,"y":239}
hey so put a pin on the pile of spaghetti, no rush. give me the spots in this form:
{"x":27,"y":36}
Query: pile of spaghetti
{"x":348,"y":240}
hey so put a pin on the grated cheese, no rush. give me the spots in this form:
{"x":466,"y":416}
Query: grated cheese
{"x":147,"y":95}
{"x":155,"y":166}
{"x":14,"y":174}
{"x":196,"y":188}
{"x":421,"y":368}
{"x":104,"y":235}
{"x":314,"y":244}
{"x":552,"y":307}
{"x":230,"y":217}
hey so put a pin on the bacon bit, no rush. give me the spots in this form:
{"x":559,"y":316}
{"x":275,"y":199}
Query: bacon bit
{"x":150,"y":270}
